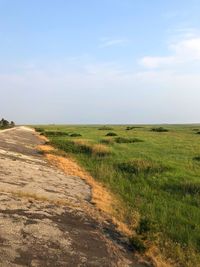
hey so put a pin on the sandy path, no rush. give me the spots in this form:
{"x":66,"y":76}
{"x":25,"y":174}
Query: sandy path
{"x":42,"y":217}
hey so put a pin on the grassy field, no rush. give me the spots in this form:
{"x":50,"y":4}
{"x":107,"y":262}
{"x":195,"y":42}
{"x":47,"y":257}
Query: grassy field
{"x":156,"y":174}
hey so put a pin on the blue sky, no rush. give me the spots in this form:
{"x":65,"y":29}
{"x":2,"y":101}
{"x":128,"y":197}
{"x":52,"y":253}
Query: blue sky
{"x":103,"y":61}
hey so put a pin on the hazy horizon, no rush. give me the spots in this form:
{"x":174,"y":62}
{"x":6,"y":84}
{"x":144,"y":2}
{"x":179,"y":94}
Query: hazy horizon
{"x":100,"y":62}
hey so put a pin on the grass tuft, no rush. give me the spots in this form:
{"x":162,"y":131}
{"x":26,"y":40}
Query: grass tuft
{"x":144,"y":226}
{"x":111,"y":134}
{"x":100,"y":150}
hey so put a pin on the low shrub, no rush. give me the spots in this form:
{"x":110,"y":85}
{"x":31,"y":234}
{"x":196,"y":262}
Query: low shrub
{"x":121,"y":140}
{"x":105,"y":128}
{"x":198,"y":132}
{"x":159,"y":130}
{"x":100,"y":150}
{"x":75,"y":135}
{"x":141,"y":166}
{"x":111,"y":134}
{"x":39,"y":130}
{"x":197,"y":158}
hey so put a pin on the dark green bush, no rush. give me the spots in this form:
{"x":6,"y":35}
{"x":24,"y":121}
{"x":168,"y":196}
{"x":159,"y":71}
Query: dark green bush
{"x":183,"y":188}
{"x":121,"y":140}
{"x":111,"y":134}
{"x":159,"y":130}
{"x":75,"y":135}
{"x":197,"y":158}
{"x":39,"y":130}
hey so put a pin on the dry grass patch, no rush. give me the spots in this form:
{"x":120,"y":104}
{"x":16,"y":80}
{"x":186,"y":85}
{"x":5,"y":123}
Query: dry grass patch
{"x":82,"y":146}
{"x":45,"y":148}
{"x":100,"y":150}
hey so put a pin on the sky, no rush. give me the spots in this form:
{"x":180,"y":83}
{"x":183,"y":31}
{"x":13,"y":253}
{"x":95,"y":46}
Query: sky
{"x":101,"y":62}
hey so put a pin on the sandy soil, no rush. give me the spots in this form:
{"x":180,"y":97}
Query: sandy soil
{"x":44,"y":218}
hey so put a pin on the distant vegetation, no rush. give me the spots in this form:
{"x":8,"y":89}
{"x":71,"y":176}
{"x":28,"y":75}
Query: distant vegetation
{"x":4,"y":124}
{"x":105,"y":128}
{"x":111,"y":134}
{"x":156,"y":177}
{"x":128,"y":128}
{"x":125,"y":140}
{"x":159,"y":129}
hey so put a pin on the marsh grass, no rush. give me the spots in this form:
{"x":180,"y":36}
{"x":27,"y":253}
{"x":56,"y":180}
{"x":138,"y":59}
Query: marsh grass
{"x":141,"y":166}
{"x":54,"y":133}
{"x":158,"y":179}
{"x":184,"y":188}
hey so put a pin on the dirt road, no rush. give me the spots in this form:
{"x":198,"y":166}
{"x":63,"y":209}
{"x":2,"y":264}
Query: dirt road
{"x":42,"y":219}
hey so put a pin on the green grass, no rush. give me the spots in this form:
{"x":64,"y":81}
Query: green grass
{"x":155,"y":173}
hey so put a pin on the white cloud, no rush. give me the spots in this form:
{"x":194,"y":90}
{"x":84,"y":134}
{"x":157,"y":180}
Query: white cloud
{"x":107,"y":42}
{"x":182,"y":52}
